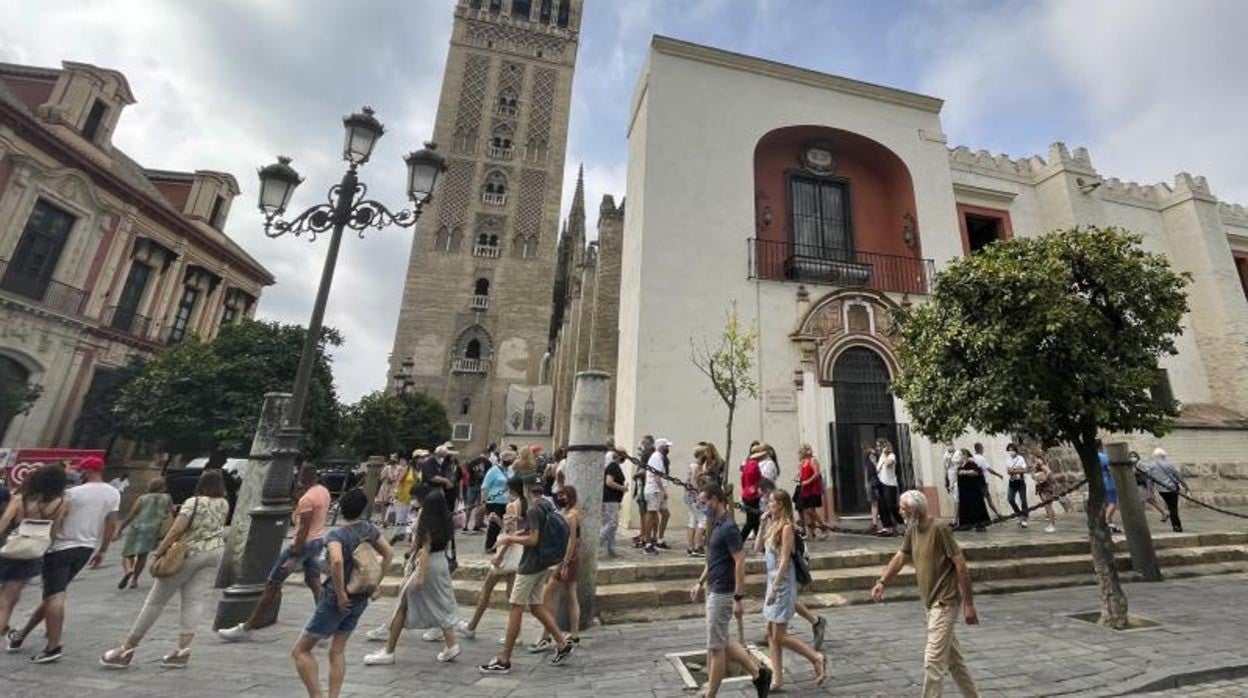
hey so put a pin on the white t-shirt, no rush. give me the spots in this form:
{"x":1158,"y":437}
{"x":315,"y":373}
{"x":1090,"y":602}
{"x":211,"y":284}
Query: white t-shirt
{"x":886,"y":469}
{"x":769,"y":470}
{"x":654,"y":483}
{"x":88,"y":505}
{"x":982,"y":462}
{"x":1018,"y":466}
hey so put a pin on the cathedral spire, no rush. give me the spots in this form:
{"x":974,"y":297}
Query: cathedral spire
{"x":576,"y":222}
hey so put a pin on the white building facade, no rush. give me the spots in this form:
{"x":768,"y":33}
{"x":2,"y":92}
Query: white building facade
{"x":814,"y":204}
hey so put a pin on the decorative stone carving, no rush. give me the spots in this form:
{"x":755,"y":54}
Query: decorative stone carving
{"x":844,"y":318}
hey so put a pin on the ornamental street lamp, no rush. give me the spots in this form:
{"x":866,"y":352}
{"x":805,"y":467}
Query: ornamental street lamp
{"x":346,"y":207}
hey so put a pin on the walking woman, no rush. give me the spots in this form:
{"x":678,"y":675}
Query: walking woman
{"x":972,"y":511}
{"x":750,"y":495}
{"x":506,"y":559}
{"x":390,"y":476}
{"x":141,"y":528}
{"x":564,"y":576}
{"x":40,"y":502}
{"x":1043,"y":475}
{"x":810,"y":493}
{"x":886,"y":469}
{"x":780,"y":604}
{"x":199,"y":526}
{"x":427,"y":599}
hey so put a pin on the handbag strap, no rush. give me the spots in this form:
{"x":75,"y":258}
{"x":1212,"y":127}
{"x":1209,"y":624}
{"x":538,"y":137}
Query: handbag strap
{"x":191,"y":521}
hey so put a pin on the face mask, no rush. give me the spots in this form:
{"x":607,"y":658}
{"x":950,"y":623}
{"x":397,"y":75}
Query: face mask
{"x":706,"y":510}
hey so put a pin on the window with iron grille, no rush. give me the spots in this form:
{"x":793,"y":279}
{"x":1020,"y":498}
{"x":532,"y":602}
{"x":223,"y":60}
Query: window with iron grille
{"x":182,"y":316}
{"x":131,"y":296}
{"x":38,"y":250}
{"x":461,"y":431}
{"x":820,"y":218}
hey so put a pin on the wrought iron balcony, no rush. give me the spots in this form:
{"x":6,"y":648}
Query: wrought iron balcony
{"x":493,"y":199}
{"x":54,"y":295}
{"x":127,"y":321}
{"x":498,"y":152}
{"x":506,"y":110}
{"x":480,"y":302}
{"x":789,"y":261}
{"x":470,"y":366}
{"x":488,"y":251}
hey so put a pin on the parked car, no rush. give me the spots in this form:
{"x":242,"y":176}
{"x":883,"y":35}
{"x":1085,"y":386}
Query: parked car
{"x":180,"y":482}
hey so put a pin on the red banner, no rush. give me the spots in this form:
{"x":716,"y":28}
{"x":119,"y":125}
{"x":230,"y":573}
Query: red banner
{"x":23,"y":461}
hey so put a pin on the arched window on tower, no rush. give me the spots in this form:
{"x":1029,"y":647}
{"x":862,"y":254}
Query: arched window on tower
{"x":495,"y":190}
{"x":507,"y":105}
{"x":481,"y":294}
{"x":544,"y":12}
{"x":472,"y":350}
{"x":465,"y":405}
{"x":565,"y":9}
{"x":500,"y":143}
{"x":521,"y":8}
{"x":496,"y":6}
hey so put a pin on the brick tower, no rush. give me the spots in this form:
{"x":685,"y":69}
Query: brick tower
{"x":474,"y":321}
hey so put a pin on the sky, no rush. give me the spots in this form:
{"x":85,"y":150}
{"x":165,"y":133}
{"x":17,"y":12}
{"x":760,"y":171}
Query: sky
{"x":1151,"y":87}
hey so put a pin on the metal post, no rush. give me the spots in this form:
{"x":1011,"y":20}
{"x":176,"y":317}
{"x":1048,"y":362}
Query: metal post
{"x":1134,"y":522}
{"x":269,"y":521}
{"x":587,"y":439}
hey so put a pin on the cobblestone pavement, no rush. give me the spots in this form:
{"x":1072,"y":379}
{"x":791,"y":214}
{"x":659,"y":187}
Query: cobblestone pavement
{"x":1026,"y":646}
{"x":1212,"y":689}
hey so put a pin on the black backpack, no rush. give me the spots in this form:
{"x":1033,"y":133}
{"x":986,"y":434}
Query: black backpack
{"x":801,"y":563}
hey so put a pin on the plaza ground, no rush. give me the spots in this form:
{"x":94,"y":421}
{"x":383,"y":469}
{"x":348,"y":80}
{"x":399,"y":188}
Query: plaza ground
{"x":1027,"y":645}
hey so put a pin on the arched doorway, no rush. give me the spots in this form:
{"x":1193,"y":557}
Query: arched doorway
{"x":864,"y":414}
{"x":15,"y":391}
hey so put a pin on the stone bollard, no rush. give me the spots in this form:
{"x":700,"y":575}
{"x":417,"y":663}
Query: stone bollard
{"x":587,"y":437}
{"x":248,"y":497}
{"x":1134,"y":521}
{"x":372,"y":479}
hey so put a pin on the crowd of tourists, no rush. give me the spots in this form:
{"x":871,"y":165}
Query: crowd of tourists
{"x":532,"y":529}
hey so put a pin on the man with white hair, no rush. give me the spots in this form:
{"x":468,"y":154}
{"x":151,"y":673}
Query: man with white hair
{"x":1168,"y":480}
{"x":944,"y":585}
{"x":656,"y":495}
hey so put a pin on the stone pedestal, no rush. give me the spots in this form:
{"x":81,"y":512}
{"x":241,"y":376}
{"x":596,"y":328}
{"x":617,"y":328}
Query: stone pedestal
{"x":372,"y":479}
{"x":587,"y":437}
{"x":1131,"y":509}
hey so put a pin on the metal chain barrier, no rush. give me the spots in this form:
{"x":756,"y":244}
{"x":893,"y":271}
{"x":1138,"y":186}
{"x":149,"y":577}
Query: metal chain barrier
{"x":1181,"y":490}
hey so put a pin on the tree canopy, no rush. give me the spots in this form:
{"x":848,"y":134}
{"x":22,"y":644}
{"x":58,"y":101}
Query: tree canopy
{"x":382,"y":423}
{"x":205,"y":397}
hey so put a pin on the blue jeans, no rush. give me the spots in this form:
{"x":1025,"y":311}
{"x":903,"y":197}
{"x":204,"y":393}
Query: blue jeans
{"x":310,"y":559}
{"x":328,"y":620}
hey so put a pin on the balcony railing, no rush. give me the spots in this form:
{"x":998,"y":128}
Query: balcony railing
{"x":505,"y":110}
{"x":789,"y":261}
{"x":498,"y":152}
{"x":127,"y":321}
{"x":480,"y":302}
{"x":488,"y":251}
{"x":50,"y":294}
{"x":493,"y":199}
{"x":470,"y":366}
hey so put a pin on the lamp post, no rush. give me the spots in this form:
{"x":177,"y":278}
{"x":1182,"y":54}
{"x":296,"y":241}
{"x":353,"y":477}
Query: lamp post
{"x":346,"y":207}
{"x":404,"y":378}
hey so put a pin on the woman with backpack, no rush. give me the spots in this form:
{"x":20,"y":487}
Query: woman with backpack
{"x":780,"y":603}
{"x":199,"y":534}
{"x":141,"y":528}
{"x":427,"y":599}
{"x":565,"y":573}
{"x":33,"y":514}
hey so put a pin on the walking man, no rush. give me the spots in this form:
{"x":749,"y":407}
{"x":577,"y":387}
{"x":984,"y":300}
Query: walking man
{"x":613,"y":489}
{"x":304,"y":551}
{"x":723,"y":579}
{"x":1169,"y":481}
{"x":656,"y":496}
{"x":90,"y":520}
{"x":944,"y":583}
{"x":986,"y":468}
{"x":639,"y":489}
{"x":494,"y":491}
{"x":1017,"y":470}
{"x":531,"y":576}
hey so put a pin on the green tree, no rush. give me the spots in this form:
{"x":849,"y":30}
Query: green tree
{"x":384,"y":422}
{"x":1056,"y":336}
{"x":99,"y":425}
{"x":205,"y":397}
{"x":729,"y":366}
{"x":16,"y":397}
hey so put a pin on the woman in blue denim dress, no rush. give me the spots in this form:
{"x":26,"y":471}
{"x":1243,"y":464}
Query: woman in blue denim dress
{"x":781,"y":600}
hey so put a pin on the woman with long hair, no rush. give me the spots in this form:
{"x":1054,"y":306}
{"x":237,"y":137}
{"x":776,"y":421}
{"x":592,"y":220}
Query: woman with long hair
{"x":427,"y":599}
{"x":506,"y":558}
{"x":750,"y":494}
{"x":200,"y":527}
{"x":142,"y":530}
{"x":564,"y":576}
{"x":41,"y":499}
{"x":810,"y":493}
{"x":972,"y":512}
{"x":1043,"y":475}
{"x":780,"y":604}
{"x":389,"y":484}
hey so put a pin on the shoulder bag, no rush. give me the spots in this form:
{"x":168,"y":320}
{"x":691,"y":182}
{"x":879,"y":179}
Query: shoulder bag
{"x":174,"y":558}
{"x":366,"y":569}
{"x":32,"y":538}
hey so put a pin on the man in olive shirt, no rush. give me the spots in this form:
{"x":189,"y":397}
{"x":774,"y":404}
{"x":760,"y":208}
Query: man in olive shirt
{"x":944,"y":585}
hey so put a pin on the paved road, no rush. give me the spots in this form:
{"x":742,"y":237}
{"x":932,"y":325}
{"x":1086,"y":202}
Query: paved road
{"x":1027,"y":646}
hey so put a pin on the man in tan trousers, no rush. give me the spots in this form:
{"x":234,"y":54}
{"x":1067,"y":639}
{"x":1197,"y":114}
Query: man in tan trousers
{"x":944,"y":586}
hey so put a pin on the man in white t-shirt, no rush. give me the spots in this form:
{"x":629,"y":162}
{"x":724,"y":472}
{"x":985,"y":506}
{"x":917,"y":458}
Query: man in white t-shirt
{"x":90,"y":521}
{"x":986,"y":469}
{"x":656,"y":496}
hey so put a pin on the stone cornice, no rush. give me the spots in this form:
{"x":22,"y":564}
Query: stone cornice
{"x":783,"y":71}
{"x":999,"y":196}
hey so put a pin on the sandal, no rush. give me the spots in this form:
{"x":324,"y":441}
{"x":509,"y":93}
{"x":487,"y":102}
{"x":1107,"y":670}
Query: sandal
{"x":117,"y":658}
{"x":125,"y":578}
{"x":178,"y":659}
{"x":821,"y":676}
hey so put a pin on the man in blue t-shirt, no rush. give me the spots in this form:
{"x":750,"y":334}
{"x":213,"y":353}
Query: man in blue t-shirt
{"x":724,"y":581}
{"x":1111,"y":489}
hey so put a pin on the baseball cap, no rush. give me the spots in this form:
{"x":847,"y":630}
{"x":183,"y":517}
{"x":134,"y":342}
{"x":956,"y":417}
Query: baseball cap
{"x":90,"y":463}
{"x":662,"y":442}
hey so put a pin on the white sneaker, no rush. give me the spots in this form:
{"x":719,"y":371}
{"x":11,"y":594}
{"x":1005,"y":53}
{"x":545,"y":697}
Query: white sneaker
{"x":378,"y":658}
{"x":1050,"y":529}
{"x":379,"y":634}
{"x":235,"y":633}
{"x":464,"y":630}
{"x":449,"y":654}
{"x":1023,"y":523}
{"x":432,"y":635}
{"x":502,"y":640}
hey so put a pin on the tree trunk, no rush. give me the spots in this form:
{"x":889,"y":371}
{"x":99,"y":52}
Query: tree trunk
{"x":1113,"y":599}
{"x":728,"y":439}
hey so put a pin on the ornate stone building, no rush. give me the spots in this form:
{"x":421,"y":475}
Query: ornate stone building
{"x":474,"y":322}
{"x":585,"y":321}
{"x":101,"y":259}
{"x":824,"y":202}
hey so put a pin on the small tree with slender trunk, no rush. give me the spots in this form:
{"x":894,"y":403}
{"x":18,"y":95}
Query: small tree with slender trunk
{"x":1056,"y":336}
{"x":729,"y":365}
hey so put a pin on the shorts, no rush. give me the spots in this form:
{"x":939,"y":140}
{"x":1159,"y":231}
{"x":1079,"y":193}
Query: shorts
{"x":60,"y":568}
{"x":327,"y":620}
{"x":718,"y":618}
{"x":697,"y":519}
{"x":814,"y":501}
{"x":19,"y":570}
{"x":656,"y":501}
{"x":310,"y":559}
{"x":527,"y":590}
